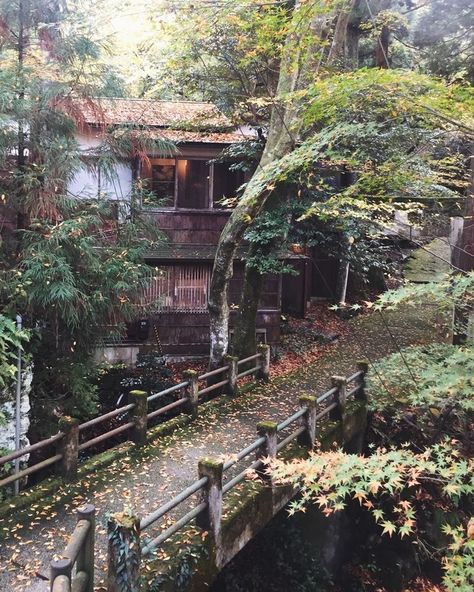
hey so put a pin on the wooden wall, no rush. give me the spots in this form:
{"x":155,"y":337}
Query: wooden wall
{"x":187,"y":333}
{"x":198,"y":227}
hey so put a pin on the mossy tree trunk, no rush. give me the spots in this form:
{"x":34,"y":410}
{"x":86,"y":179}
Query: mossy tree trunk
{"x":301,"y":60}
{"x":300,"y":65}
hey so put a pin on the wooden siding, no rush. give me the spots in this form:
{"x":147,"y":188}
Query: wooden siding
{"x":198,"y":227}
{"x":180,"y":288}
{"x":184,"y":334}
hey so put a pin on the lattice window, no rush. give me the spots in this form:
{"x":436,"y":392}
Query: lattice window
{"x":179,"y":288}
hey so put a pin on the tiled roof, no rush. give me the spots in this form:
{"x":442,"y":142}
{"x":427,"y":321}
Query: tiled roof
{"x":178,"y":136}
{"x":149,"y":112}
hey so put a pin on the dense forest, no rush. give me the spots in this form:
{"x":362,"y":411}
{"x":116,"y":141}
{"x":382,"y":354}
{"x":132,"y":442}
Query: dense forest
{"x":377,"y":94}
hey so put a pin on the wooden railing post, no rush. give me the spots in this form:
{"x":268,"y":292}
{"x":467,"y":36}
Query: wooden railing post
{"x":58,"y":568}
{"x":232,"y":372}
{"x":69,"y":447}
{"x":85,"y":559}
{"x":191,"y":392}
{"x":124,"y":553}
{"x":139,"y":416}
{"x":267,"y":429}
{"x":210,"y":519}
{"x":308,"y":437}
{"x":340,"y":383}
{"x":264,"y":373}
{"x":361,"y":394}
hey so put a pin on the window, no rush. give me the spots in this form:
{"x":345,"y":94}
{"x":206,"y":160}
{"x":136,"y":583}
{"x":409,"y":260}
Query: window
{"x":193,"y":184}
{"x":225,"y":182}
{"x":179,"y":288}
{"x":163,"y":180}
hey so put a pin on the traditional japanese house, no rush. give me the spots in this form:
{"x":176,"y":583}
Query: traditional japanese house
{"x":185,"y":196}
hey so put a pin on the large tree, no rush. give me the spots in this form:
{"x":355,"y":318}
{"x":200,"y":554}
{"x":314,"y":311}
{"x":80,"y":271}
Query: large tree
{"x":301,"y":59}
{"x":392,"y":148}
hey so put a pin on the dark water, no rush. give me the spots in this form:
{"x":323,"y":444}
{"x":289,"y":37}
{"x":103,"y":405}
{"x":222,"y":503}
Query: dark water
{"x":310,"y":553}
{"x":282,"y":558}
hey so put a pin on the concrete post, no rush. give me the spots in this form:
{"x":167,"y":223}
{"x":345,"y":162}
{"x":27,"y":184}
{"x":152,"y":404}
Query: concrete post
{"x":69,"y":447}
{"x":60,"y":568}
{"x":139,"y":416}
{"x":361,"y":394}
{"x":267,"y":429}
{"x":210,"y":519}
{"x":264,"y":373}
{"x":232,"y":373}
{"x":85,"y":559}
{"x":124,"y":553}
{"x":191,"y":392}
{"x":308,"y":437}
{"x":340,"y":383}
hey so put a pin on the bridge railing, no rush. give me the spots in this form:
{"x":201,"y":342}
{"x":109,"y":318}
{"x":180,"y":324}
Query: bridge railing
{"x":211,"y":484}
{"x":135,"y":417}
{"x":74,"y":571}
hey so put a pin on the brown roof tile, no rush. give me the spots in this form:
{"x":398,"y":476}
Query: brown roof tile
{"x":148,"y":112}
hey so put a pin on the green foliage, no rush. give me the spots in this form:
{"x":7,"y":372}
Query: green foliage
{"x":73,"y":275}
{"x":452,"y":290}
{"x":77,"y":282}
{"x":219,"y":53}
{"x":385,"y":482}
{"x":459,"y":564}
{"x":10,"y":340}
{"x":431,"y":377}
{"x":392,"y":485}
{"x":444,"y":40}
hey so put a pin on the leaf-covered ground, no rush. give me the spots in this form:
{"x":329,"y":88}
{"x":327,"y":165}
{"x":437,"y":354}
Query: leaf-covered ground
{"x":144,"y":481}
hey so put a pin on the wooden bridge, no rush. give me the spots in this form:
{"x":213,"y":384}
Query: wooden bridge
{"x":137,"y":546}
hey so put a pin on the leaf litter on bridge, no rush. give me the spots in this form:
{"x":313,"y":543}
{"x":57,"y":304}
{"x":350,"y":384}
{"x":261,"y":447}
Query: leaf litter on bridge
{"x":144,"y":480}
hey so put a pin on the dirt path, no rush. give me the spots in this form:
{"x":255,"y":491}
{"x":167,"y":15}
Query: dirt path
{"x":32,"y":536}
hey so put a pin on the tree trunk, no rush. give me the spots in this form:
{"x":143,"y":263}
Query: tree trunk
{"x":284,"y":128}
{"x":21,"y":158}
{"x":381,"y":48}
{"x":245,"y":340}
{"x":338,"y":51}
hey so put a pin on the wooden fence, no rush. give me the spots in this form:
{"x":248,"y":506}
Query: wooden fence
{"x":72,"y":438}
{"x":212,"y":486}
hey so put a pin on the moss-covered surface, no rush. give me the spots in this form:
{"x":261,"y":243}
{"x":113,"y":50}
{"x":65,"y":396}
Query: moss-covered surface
{"x":423,"y":267}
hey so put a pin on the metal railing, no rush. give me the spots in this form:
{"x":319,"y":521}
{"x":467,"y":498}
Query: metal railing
{"x":72,"y":439}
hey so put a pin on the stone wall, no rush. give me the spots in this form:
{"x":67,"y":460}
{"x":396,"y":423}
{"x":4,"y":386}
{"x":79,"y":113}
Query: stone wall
{"x":7,"y":413}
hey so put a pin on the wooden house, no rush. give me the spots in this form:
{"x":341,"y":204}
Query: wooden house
{"x":184,"y":201}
